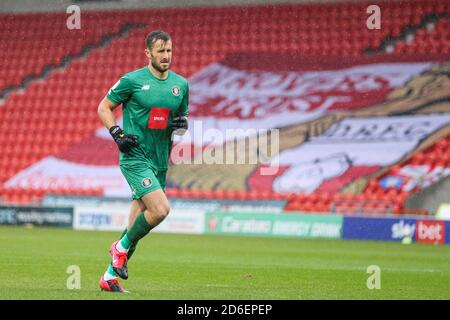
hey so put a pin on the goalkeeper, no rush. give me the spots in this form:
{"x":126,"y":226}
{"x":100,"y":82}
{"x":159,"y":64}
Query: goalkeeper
{"x":155,"y":106}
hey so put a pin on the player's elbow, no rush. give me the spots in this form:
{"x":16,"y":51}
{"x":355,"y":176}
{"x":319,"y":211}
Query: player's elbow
{"x":105,"y":107}
{"x":101,"y":109}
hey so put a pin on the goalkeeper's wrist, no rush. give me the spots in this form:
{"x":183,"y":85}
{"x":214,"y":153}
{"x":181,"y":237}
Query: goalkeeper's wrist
{"x":115,"y":131}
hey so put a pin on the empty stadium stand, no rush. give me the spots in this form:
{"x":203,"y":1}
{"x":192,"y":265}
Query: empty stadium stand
{"x":52,"y":79}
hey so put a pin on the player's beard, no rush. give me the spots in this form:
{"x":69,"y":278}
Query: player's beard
{"x":158,"y":67}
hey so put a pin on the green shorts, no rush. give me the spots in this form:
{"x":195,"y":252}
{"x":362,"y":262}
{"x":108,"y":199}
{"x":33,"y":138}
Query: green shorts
{"x":143,"y":179}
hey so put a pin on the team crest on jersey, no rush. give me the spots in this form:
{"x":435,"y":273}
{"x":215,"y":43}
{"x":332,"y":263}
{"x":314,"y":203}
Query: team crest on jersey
{"x":176,"y":91}
{"x":146,"y":182}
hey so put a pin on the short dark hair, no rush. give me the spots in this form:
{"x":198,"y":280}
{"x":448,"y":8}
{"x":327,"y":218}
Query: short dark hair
{"x":154,"y":36}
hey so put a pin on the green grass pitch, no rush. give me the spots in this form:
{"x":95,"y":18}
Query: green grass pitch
{"x":168,"y":266}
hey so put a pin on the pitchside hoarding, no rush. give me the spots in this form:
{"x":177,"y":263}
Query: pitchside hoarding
{"x":386,"y":229}
{"x":430,"y":231}
{"x":116,"y":219}
{"x":285,"y":225}
{"x":41,"y":216}
{"x":447,"y":233}
{"x":196,"y":221}
{"x":396,"y":229}
{"x":100,"y":218}
{"x":183,"y":221}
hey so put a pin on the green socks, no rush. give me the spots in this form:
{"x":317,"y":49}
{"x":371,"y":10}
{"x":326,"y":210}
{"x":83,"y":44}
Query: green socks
{"x":133,"y":245}
{"x":109,"y":274}
{"x":110,"y":270}
{"x":130,"y":238}
{"x":138,"y":230}
{"x":124,"y":244}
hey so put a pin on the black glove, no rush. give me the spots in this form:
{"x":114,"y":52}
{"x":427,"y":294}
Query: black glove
{"x":125,"y":142}
{"x":179,"y":125}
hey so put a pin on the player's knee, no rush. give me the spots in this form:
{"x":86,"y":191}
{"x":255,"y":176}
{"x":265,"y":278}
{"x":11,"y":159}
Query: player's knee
{"x":162,"y":210}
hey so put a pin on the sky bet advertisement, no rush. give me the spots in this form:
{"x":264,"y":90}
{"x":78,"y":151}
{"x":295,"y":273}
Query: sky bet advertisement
{"x":396,"y":229}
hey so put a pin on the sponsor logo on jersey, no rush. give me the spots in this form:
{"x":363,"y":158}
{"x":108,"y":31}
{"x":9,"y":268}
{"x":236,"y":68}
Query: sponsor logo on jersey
{"x":146,"y":182}
{"x":145,"y":87}
{"x":158,"y":118}
{"x":176,"y":91}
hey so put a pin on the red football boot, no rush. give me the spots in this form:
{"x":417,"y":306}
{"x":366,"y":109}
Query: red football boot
{"x":119,"y":262}
{"x":111,"y":285}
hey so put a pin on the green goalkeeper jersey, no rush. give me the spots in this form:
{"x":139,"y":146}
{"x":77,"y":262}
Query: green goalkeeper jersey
{"x":149,"y":105}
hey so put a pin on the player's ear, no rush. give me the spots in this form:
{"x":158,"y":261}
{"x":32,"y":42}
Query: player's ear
{"x":148,"y":53}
